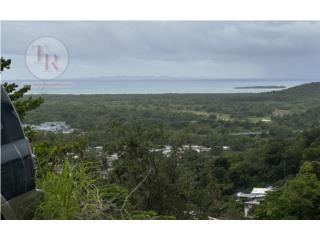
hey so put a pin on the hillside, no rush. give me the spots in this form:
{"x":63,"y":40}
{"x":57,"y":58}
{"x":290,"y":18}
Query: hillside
{"x":309,"y":91}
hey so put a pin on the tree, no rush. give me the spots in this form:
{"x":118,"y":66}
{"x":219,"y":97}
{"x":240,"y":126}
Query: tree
{"x":72,"y":183}
{"x":299,"y":198}
{"x":22,"y":104}
{"x":5,"y":63}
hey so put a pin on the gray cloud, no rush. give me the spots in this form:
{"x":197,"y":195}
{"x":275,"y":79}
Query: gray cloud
{"x":196,"y":49}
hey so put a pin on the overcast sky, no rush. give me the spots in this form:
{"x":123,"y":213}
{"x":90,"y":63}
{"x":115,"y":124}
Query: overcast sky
{"x":179,"y":49}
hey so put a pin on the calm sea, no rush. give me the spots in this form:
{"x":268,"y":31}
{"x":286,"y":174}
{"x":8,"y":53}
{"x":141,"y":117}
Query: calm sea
{"x":137,"y":86}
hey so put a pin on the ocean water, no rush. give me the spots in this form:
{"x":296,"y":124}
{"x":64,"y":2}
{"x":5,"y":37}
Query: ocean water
{"x":154,"y":86}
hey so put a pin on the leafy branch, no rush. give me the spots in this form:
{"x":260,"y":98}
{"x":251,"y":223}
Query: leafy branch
{"x":133,"y":190}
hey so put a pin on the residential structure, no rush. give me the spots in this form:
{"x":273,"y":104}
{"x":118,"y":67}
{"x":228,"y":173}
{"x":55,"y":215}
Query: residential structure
{"x":253,"y":198}
{"x":226,"y":148}
{"x":59,"y":126}
{"x":167,"y":149}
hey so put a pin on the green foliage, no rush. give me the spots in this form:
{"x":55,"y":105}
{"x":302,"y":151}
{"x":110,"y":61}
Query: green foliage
{"x":21,"y":103}
{"x":73,"y":188}
{"x":146,"y":184}
{"x":299,"y":198}
{"x":72,"y":194}
{"x":178,"y":185}
{"x":51,"y":154}
{"x":5,"y":64}
{"x":72,"y":185}
{"x":134,"y":163}
{"x":190,"y":185}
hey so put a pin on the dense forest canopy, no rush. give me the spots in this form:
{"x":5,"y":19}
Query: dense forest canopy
{"x":256,"y":140}
{"x":175,"y":156}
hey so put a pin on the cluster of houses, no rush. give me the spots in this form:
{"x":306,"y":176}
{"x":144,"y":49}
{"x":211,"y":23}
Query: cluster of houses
{"x":199,"y":149}
{"x":59,"y":126}
{"x":166,"y":150}
{"x":111,"y":157}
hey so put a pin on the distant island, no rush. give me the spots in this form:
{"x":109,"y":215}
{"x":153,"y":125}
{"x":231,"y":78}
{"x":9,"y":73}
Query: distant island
{"x":261,"y":87}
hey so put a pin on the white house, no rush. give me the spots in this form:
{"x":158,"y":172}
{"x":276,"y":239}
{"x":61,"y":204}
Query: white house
{"x":265,"y":120}
{"x":53,"y":127}
{"x":253,"y":198}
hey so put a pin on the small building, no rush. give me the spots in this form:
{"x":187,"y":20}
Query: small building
{"x":168,"y":149}
{"x":98,"y":150}
{"x":226,"y":148}
{"x":59,"y":126}
{"x":196,"y":148}
{"x":253,"y":198}
{"x":205,"y":149}
{"x":111,"y":158}
{"x":107,"y":165}
{"x":265,"y":120}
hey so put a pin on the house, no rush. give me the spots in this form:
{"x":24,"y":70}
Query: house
{"x":196,"y":148}
{"x":253,"y":198}
{"x":168,"y":149}
{"x":111,"y":158}
{"x":59,"y":126}
{"x":98,"y":150}
{"x":107,"y":165}
{"x":225,"y":148}
{"x":265,"y":120}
